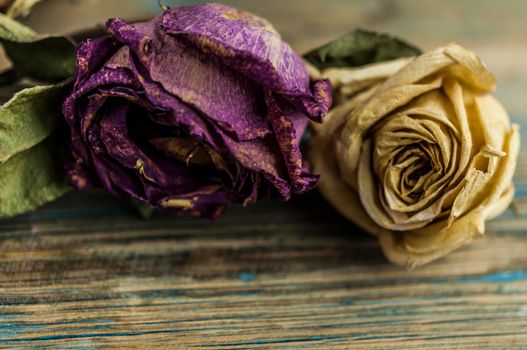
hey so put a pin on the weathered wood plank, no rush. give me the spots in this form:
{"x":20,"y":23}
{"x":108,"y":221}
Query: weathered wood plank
{"x":267,"y":273}
{"x":85,"y":273}
{"x":274,"y":275}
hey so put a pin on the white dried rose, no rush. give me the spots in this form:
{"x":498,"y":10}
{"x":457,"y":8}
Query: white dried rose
{"x":417,"y":152}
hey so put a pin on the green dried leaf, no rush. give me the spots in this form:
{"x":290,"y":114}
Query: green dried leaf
{"x":37,"y":56}
{"x":31,"y":172}
{"x":21,"y":8}
{"x":28,"y":118}
{"x":358,"y":48}
{"x":30,"y":179}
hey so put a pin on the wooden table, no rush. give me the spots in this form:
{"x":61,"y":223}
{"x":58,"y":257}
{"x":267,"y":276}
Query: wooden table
{"x":85,"y":273}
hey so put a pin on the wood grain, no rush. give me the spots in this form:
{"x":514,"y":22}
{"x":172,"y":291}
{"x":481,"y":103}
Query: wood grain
{"x":85,"y":273}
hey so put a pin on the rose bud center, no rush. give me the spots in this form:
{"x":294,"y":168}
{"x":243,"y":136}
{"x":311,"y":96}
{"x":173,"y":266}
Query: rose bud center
{"x":414,"y":156}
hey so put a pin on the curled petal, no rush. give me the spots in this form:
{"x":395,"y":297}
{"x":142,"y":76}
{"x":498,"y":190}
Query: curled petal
{"x":416,"y":248}
{"x":254,"y":50}
{"x":285,"y":125}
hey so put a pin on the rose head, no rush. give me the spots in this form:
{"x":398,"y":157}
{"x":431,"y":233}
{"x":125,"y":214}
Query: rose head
{"x":417,"y":152}
{"x":198,"y":108}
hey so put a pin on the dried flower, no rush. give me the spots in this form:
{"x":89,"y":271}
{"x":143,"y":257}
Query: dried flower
{"x":417,"y":152}
{"x":198,"y":108}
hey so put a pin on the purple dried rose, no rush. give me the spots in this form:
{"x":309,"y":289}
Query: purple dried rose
{"x":199,"y":108}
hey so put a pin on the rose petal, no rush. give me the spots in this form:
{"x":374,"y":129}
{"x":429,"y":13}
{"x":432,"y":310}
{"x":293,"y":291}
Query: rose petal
{"x":254,"y":50}
{"x":91,"y":55}
{"x":427,"y":244}
{"x":200,"y":80}
{"x":261,"y":156}
{"x":364,"y":118}
{"x":285,"y":123}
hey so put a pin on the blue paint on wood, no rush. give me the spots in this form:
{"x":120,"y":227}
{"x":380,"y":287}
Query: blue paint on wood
{"x":247,"y":276}
{"x":499,"y":277}
{"x":11,"y":329}
{"x":346,"y":302}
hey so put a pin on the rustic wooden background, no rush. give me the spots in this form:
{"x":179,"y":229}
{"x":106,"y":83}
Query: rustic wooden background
{"x":85,"y":273}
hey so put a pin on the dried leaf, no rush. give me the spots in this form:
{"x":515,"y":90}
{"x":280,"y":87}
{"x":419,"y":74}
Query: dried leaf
{"x":21,"y":8}
{"x":28,"y":118}
{"x":30,"y":179}
{"x":37,"y":56}
{"x":358,"y":48}
{"x":31,"y":172}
